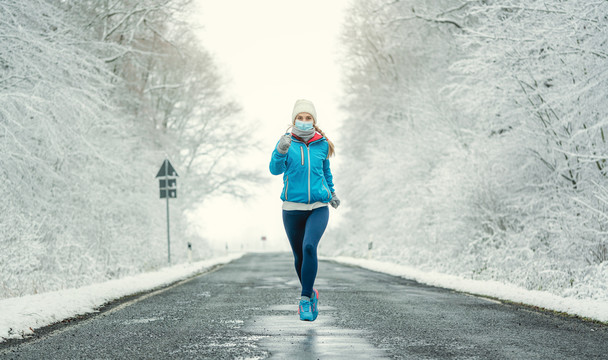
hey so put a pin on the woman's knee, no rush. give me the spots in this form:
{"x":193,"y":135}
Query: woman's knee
{"x":310,"y":250}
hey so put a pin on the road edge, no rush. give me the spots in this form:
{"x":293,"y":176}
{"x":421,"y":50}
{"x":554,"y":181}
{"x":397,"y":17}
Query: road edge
{"x":106,"y":308}
{"x":372,"y":266}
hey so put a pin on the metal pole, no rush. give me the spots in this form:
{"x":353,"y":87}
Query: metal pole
{"x":168,"y":233}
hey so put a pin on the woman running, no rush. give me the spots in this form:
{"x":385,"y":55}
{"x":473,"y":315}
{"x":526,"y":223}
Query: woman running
{"x":303,"y":159}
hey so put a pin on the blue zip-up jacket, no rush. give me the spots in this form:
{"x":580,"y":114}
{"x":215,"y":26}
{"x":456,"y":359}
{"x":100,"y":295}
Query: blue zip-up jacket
{"x":306,"y":174}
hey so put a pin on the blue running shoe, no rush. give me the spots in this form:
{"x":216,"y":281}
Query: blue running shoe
{"x":304,"y":310}
{"x":314,"y":304}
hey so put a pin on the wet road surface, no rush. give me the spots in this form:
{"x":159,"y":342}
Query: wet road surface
{"x":248,"y":310}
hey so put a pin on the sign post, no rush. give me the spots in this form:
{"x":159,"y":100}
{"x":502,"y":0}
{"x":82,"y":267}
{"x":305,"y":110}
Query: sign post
{"x":168,"y":189}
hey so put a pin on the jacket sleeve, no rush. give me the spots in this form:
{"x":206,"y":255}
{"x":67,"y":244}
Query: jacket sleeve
{"x":278,"y":162}
{"x":329,"y":179}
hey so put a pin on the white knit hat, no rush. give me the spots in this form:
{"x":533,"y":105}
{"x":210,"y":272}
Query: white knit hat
{"x":306,"y":106}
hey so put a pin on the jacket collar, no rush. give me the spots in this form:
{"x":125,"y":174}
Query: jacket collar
{"x":314,"y":138}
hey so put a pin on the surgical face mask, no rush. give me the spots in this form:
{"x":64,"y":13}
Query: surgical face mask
{"x":301,"y":125}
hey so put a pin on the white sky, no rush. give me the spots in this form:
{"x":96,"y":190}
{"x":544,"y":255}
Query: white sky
{"x":272,"y":52}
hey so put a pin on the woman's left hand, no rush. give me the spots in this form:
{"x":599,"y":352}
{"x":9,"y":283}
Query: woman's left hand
{"x":334,"y":202}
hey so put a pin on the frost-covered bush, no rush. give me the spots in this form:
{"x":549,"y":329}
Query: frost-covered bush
{"x":476,"y":139}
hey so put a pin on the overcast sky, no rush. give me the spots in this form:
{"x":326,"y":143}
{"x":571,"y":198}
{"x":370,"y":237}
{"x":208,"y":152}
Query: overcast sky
{"x":272,"y":52}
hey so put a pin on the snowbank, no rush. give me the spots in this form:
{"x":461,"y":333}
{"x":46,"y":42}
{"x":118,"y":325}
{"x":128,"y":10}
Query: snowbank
{"x":20,"y":315}
{"x":593,"y":309}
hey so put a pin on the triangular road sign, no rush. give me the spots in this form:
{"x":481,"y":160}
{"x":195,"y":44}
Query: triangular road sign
{"x":166,"y":169}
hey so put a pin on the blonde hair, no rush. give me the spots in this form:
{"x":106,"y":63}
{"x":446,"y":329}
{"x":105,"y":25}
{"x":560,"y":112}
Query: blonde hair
{"x":331,"y":151}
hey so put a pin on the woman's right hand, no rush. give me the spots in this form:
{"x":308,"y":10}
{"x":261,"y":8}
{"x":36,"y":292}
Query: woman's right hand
{"x":284,"y":144}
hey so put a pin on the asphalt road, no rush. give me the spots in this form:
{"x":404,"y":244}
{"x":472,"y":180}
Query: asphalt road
{"x":248,"y":310}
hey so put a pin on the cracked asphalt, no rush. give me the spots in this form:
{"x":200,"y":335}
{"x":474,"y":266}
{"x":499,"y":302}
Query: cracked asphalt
{"x":247,"y":309}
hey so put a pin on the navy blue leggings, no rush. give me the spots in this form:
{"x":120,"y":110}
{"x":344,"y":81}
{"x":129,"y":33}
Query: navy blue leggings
{"x":304,"y":230}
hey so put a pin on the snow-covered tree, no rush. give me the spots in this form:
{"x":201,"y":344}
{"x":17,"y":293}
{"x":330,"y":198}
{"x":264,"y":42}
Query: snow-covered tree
{"x":67,"y":188}
{"x":476,"y":138}
{"x":172,"y":89}
{"x":93,"y":96}
{"x":536,"y":74}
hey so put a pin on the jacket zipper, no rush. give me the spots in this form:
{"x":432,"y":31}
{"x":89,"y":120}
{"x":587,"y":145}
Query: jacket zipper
{"x":308,"y":153}
{"x":302,"y":154}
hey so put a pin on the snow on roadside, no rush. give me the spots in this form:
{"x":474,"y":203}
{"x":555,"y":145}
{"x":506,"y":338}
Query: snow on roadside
{"x":19,"y":315}
{"x":593,"y":309}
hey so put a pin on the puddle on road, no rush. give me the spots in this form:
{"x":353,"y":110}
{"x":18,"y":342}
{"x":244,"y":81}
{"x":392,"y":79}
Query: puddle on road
{"x":294,"y":309}
{"x":275,"y":283}
{"x":243,"y":348}
{"x":233,"y":323}
{"x":286,"y":337}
